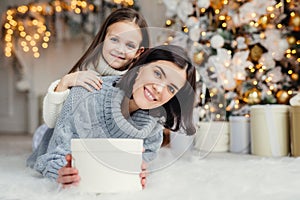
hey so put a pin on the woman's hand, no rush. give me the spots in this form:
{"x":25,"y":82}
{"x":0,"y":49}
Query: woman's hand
{"x":68,"y":175}
{"x":143,"y":174}
{"x":85,"y":79}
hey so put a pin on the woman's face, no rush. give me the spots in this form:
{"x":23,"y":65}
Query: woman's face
{"x":157,"y":83}
{"x":121,"y":43}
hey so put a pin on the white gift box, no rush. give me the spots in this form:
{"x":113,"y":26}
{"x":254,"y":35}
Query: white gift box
{"x":108,"y":165}
{"x":212,"y":136}
{"x":239,"y":134}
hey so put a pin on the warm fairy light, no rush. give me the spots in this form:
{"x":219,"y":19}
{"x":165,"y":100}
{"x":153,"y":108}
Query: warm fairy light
{"x":36,"y":54}
{"x":278,"y":5}
{"x":290,"y":71}
{"x":270,"y":8}
{"x":218,"y":116}
{"x":288,"y":1}
{"x":26,"y":49}
{"x":221,"y":105}
{"x":252,"y":70}
{"x":202,"y":96}
{"x":168,"y":22}
{"x":255,"y":82}
{"x":44,"y":45}
{"x":251,"y":23}
{"x":185,"y":29}
{"x":32,"y":43}
{"x":202,"y":10}
{"x":288,"y":51}
{"x":58,"y":8}
{"x":279,"y":26}
{"x":170,"y":38}
{"x":46,"y":39}
{"x":253,"y":15}
{"x":271,"y":87}
{"x":290,"y":92}
{"x":288,"y":55}
{"x":298,"y":42}
{"x":224,"y":24}
{"x":203,"y":33}
{"x":206,"y":107}
{"x":221,"y":17}
{"x":294,"y":51}
{"x":225,"y":2}
{"x":35,"y":49}
{"x":272,"y":15}
{"x":269,"y":92}
{"x":269,"y":79}
{"x":217,"y":11}
{"x":292,"y":14}
{"x":298,"y":59}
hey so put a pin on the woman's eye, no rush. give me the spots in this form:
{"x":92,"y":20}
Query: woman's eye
{"x":157,"y":74}
{"x":171,"y":89}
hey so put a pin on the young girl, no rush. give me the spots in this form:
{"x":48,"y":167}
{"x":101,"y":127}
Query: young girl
{"x":156,"y":92}
{"x":121,"y":39}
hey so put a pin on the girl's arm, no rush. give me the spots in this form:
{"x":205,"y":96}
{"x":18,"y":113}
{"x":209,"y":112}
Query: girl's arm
{"x":59,"y":91}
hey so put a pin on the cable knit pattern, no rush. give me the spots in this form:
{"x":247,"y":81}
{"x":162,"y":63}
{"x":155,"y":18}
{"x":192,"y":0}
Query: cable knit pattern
{"x":97,"y":114}
{"x":53,"y":101}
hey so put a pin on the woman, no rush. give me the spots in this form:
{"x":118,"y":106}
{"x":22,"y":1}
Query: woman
{"x":156,"y":92}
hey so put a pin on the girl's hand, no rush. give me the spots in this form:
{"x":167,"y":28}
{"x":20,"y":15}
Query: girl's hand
{"x":143,"y":174}
{"x":68,"y":175}
{"x":86,"y":79}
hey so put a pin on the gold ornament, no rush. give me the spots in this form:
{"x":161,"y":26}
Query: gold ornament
{"x":198,"y":57}
{"x":282,"y":97}
{"x":256,"y":53}
{"x":295,"y":22}
{"x":291,"y":40}
{"x":295,"y":76}
{"x":252,"y":96}
{"x":216,"y":4}
{"x":263,"y":21}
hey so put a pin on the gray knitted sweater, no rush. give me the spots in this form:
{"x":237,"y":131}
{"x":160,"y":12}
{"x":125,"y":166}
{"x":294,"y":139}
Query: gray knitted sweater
{"x":97,"y":115}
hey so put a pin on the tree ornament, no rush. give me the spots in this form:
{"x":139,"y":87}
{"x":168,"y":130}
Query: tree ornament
{"x":282,"y":97}
{"x":295,"y":22}
{"x":291,"y":39}
{"x":198,"y":57}
{"x":252,"y":96}
{"x":295,"y":76}
{"x":256,"y":52}
{"x":216,"y":4}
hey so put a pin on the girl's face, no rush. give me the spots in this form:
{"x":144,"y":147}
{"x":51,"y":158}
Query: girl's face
{"x":122,"y":43}
{"x":157,"y":83}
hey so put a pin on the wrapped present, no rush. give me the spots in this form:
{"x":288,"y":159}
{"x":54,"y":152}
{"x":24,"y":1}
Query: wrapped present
{"x":269,"y":129}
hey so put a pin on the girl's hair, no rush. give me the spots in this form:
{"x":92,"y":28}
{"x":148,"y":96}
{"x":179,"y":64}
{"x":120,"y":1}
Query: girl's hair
{"x":92,"y":54}
{"x":178,"y":111}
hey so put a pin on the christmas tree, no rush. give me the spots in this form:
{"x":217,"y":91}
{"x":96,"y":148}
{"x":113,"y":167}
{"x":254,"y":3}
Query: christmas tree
{"x":246,"y":51}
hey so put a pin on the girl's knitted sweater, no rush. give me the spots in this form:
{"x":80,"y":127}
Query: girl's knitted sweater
{"x":97,"y":115}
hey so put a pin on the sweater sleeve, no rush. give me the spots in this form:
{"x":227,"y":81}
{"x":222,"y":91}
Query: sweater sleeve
{"x":52,"y":104}
{"x":152,"y":144}
{"x":49,"y":163}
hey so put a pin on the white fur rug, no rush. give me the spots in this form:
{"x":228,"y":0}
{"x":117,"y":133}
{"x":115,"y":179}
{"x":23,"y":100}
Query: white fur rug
{"x":219,"y":176}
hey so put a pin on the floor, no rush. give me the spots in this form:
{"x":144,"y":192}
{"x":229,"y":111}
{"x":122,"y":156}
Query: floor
{"x":15,"y":144}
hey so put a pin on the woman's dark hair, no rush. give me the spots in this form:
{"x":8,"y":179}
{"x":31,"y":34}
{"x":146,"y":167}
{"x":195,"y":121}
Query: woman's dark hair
{"x":92,"y":54}
{"x":178,"y":112}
